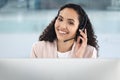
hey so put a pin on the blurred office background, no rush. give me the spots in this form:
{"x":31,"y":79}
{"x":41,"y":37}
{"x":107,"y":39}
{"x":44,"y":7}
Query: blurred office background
{"x":22,"y":21}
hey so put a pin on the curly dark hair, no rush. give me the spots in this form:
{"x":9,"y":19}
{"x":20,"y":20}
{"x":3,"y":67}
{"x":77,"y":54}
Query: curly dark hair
{"x":50,"y":35}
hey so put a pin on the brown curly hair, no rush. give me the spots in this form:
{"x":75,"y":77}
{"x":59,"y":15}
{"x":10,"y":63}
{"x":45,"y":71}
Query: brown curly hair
{"x":50,"y":35}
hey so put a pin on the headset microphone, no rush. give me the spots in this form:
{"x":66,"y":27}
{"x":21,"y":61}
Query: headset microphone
{"x":68,"y":39}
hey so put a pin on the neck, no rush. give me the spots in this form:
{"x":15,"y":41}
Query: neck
{"x":64,"y":46}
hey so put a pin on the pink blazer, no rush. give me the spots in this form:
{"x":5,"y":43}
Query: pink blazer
{"x":45,"y":49}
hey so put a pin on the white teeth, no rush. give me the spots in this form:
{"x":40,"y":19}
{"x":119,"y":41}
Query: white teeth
{"x":62,"y":32}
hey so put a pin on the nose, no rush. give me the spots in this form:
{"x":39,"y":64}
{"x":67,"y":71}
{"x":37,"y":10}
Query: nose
{"x":63,"y":25}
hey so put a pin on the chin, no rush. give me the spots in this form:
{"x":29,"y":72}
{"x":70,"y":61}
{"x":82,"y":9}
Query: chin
{"x":60,"y":39}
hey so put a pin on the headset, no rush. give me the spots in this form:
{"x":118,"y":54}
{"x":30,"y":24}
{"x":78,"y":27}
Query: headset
{"x":83,"y":23}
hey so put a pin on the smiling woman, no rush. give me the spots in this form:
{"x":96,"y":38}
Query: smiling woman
{"x":69,"y":35}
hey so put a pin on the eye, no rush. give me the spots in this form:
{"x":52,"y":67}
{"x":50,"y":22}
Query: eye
{"x":70,"y":23}
{"x":60,"y":19}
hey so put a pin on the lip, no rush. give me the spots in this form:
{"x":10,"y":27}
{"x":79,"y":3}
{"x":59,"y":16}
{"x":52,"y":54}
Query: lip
{"x":62,"y":32}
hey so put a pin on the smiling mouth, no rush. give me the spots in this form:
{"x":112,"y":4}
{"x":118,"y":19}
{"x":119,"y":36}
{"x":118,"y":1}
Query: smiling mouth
{"x":62,"y":32}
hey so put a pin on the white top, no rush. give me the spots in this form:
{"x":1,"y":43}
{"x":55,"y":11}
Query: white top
{"x":66,"y":54}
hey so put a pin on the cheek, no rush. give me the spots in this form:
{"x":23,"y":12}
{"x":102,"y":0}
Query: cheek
{"x":74,"y":30}
{"x":75,"y":27}
{"x":56,"y":24}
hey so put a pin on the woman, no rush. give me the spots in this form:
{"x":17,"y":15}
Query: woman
{"x":69,"y":35}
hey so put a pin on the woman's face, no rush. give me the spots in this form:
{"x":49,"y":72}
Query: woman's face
{"x":66,"y":24}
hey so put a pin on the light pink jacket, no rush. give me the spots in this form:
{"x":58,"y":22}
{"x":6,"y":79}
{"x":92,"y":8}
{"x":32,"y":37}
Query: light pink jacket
{"x":45,"y":49}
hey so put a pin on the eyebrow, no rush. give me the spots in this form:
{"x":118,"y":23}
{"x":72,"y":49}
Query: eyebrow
{"x":71,"y":20}
{"x":60,"y":16}
{"x":68,"y":19}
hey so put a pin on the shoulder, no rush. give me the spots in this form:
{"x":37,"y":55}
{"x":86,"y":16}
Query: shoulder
{"x":39,"y":45}
{"x":90,"y":48}
{"x":41,"y":49}
{"x":91,"y":51}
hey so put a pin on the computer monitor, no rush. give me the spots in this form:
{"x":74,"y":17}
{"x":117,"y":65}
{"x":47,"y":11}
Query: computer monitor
{"x":59,"y":69}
